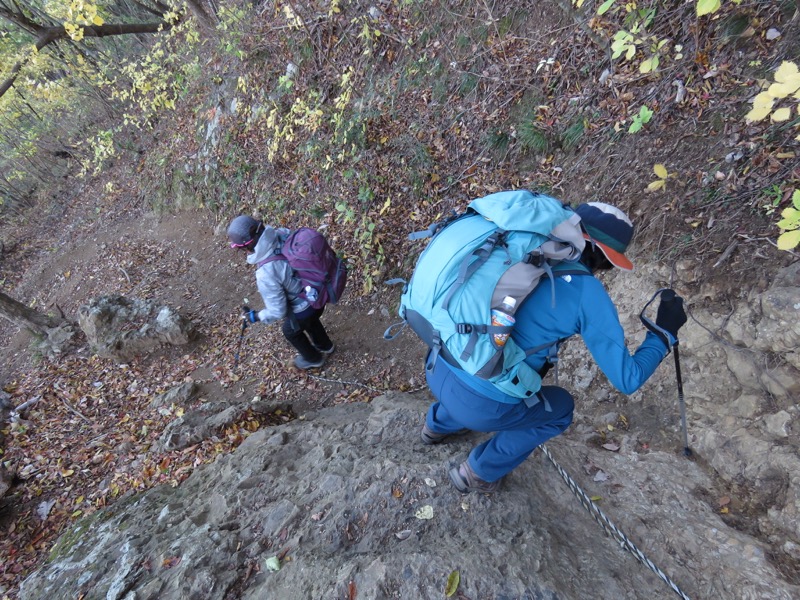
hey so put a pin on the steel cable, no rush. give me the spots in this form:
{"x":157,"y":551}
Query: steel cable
{"x":609,"y":527}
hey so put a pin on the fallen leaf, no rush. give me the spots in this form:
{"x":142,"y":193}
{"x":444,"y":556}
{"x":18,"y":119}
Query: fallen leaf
{"x":611,"y":446}
{"x":273,"y":564}
{"x":452,"y":584}
{"x":724,"y":501}
{"x":425,"y":512}
{"x":600,"y":476}
{"x":782,"y":114}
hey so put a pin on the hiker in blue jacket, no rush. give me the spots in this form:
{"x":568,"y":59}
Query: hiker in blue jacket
{"x":281,"y":292}
{"x":465,"y":402}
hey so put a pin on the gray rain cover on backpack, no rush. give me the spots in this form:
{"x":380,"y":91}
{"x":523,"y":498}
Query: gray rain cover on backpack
{"x":500,"y":247}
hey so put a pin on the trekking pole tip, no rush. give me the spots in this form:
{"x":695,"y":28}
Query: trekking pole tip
{"x":687,"y":452}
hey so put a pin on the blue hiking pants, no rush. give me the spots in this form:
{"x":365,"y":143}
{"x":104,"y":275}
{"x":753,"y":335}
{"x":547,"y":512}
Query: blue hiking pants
{"x":519,"y":428}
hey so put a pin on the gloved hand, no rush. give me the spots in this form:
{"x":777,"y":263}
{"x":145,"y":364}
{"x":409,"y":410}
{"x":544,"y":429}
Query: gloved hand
{"x":671,"y":316}
{"x":249,"y":316}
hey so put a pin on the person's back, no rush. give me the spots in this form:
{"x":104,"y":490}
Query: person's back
{"x":281,"y":291}
{"x":577,"y":303}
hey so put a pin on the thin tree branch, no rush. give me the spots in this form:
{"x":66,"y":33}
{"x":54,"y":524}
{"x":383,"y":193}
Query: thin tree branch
{"x":48,"y":35}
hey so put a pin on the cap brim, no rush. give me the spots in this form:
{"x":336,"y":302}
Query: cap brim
{"x":617,"y":259}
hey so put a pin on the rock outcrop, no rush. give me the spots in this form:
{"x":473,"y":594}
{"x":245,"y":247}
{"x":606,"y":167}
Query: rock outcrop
{"x":347,"y":503}
{"x":120,"y":328}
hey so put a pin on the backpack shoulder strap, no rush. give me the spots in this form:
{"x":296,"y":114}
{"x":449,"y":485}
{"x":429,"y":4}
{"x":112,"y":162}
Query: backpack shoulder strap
{"x":272,"y":258}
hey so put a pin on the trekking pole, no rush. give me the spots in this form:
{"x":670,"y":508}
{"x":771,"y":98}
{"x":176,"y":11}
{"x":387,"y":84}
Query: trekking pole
{"x":686,"y":450}
{"x":245,"y":309}
{"x":669,"y":295}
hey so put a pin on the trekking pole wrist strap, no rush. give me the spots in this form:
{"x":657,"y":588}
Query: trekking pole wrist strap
{"x":664,"y":335}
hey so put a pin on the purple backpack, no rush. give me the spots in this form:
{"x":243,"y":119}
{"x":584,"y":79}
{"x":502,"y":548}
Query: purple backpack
{"x":315,"y":264}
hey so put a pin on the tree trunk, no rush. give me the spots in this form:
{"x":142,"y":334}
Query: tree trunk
{"x":48,"y":35}
{"x":207,"y":20}
{"x":26,"y":317}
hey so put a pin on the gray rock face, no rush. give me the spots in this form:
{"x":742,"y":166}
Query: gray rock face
{"x":338,"y":499}
{"x":120,"y":328}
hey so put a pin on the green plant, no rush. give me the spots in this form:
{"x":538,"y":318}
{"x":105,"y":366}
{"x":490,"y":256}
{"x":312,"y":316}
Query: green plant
{"x":773,"y":195}
{"x":790,"y":224}
{"x":365,"y":195}
{"x":572,"y":135}
{"x":498,"y":141}
{"x":346,"y":212}
{"x":640,"y":120}
{"x":532,"y":136}
{"x":468,"y":83}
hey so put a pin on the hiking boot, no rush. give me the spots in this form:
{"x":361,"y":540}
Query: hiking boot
{"x":328,"y":351}
{"x":465,"y":480}
{"x":430,"y":437}
{"x":302,"y":363}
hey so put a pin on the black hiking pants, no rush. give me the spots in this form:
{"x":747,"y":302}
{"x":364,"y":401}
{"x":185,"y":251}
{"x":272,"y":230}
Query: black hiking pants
{"x":305,"y":332}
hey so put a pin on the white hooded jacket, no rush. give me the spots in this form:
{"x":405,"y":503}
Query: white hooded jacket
{"x":275,"y":280}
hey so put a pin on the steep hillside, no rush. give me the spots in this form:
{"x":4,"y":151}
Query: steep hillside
{"x":372,"y":121}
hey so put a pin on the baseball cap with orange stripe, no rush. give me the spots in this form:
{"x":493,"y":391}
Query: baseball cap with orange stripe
{"x":609,"y":229}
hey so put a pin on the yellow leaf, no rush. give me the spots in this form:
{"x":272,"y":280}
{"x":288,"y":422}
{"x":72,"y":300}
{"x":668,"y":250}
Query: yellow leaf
{"x":660,"y":170}
{"x":98,"y":20}
{"x":77,"y":513}
{"x":179,"y":412}
{"x":67,"y":274}
{"x":781,"y":90}
{"x":596,"y":498}
{"x":786,"y":72}
{"x":656,"y":185}
{"x":724,"y":510}
{"x":789,"y":240}
{"x":785,"y":155}
{"x":758,"y":113}
{"x":67,"y":472}
{"x":435,"y":177}
{"x":763,"y":100}
{"x":780,"y":115}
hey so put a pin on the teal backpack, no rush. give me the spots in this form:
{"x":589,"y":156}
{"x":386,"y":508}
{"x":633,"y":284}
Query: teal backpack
{"x":501,"y":246}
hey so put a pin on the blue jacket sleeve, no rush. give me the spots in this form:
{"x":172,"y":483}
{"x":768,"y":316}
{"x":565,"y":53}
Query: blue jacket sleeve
{"x":604,"y":337}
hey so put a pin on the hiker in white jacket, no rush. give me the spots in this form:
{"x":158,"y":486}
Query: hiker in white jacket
{"x":281,"y":291}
